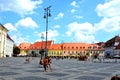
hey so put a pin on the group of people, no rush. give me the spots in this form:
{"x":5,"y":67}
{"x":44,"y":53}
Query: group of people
{"x":46,"y":62}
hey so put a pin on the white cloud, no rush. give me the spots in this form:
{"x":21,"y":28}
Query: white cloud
{"x":18,"y":39}
{"x":82,"y":32}
{"x":68,"y":33}
{"x":26,"y":22}
{"x":35,"y":32}
{"x":85,"y":28}
{"x":111,"y":16}
{"x":21,"y":7}
{"x":74,"y":4}
{"x":109,"y":9}
{"x":84,"y":38}
{"x":73,"y":10}
{"x":57,"y":26}
{"x":52,"y":34}
{"x":78,"y":17}
{"x":109,"y":24}
{"x":60,"y":15}
{"x":10,"y":27}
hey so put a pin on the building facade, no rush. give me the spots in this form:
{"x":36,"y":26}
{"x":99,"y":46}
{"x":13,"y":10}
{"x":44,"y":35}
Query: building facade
{"x":28,"y":48}
{"x":24,"y":48}
{"x":111,"y":46}
{"x":3,"y":39}
{"x":61,"y":50}
{"x":55,"y":50}
{"x":9,"y":46}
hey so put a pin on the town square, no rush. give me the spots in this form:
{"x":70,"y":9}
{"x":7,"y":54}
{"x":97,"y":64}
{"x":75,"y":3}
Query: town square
{"x":59,"y":40}
{"x":62,"y":69}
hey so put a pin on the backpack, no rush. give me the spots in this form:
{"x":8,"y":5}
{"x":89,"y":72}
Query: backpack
{"x":45,"y":61}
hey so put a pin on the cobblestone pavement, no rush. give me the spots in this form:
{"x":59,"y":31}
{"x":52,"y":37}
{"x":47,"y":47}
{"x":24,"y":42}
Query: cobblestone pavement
{"x":18,"y":69}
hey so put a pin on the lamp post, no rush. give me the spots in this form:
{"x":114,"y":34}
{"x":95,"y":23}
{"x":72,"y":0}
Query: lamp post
{"x":46,"y":15}
{"x":41,"y":51}
{"x":42,"y":37}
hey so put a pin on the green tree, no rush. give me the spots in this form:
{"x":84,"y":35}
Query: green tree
{"x":33,"y":53}
{"x":16,"y":51}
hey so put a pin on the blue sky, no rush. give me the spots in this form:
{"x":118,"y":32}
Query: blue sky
{"x":71,"y":21}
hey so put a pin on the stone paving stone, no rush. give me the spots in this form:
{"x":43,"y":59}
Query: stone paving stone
{"x":102,"y":74}
{"x":34,"y":71}
{"x":16,"y":69}
{"x":31,"y":78}
{"x":89,"y":78}
{"x":108,"y":70}
{"x":8,"y":73}
{"x":2,"y":79}
{"x":72,"y":71}
{"x":58,"y":74}
{"x":4,"y":66}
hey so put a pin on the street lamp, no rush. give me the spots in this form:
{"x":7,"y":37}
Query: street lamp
{"x":46,"y":15}
{"x":41,"y":49}
{"x":42,"y":37}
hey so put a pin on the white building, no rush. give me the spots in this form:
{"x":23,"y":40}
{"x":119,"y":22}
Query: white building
{"x":9,"y":46}
{"x":111,"y":47}
{"x":3,"y":39}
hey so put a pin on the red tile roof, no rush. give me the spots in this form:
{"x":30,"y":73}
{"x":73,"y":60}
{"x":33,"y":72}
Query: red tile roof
{"x":40,"y":45}
{"x":24,"y":45}
{"x":112,"y":41}
{"x":64,"y":46}
{"x":56,"y":47}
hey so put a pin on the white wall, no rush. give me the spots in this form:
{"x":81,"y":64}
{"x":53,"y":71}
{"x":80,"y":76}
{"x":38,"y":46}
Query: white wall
{"x":3,"y":38}
{"x":9,"y":47}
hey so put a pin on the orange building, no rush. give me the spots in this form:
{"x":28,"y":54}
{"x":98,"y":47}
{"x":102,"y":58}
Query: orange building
{"x":74,"y":49}
{"x":61,"y":50}
{"x":27,"y":48}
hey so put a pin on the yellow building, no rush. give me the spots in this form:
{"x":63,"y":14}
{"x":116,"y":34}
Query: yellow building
{"x":55,"y":50}
{"x":24,"y":48}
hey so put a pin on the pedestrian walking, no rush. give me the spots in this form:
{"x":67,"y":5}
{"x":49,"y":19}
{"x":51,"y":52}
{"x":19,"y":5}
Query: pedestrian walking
{"x":49,"y":63}
{"x":28,"y":59}
{"x":45,"y":63}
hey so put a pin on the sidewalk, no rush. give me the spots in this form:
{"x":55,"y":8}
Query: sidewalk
{"x":18,"y":69}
